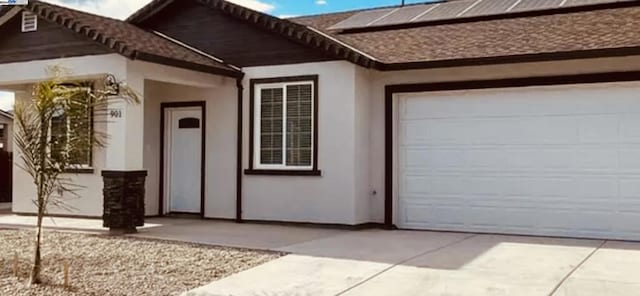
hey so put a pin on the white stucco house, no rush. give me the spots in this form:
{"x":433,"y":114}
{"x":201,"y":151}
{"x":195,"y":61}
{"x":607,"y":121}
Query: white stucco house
{"x":498,"y":116}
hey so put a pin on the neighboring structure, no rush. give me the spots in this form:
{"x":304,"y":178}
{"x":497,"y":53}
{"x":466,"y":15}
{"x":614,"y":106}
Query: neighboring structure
{"x":6,"y":131}
{"x":498,"y":116}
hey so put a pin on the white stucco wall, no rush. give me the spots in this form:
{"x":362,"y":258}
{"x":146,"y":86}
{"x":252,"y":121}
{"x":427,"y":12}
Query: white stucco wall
{"x":351,"y":134}
{"x":364,"y":193}
{"x":221,"y":142}
{"x":87,"y":201}
{"x":381,"y":79}
{"x":127,"y":141}
{"x":329,"y":198}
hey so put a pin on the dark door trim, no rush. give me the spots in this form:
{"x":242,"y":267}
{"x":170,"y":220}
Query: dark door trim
{"x":391,"y":90}
{"x":163,"y":107}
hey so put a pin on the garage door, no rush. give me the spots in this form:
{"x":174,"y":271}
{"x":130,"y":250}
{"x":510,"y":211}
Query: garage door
{"x":561,"y":161}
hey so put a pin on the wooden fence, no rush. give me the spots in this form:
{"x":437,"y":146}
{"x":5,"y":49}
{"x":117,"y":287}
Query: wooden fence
{"x":6,"y":176}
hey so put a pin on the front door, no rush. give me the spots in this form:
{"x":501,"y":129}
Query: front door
{"x":183,"y":160}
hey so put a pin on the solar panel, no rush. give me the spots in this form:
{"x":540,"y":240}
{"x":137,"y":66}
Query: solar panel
{"x":488,"y":7}
{"x":451,"y":10}
{"x":362,"y":19}
{"x":403,"y":15}
{"x":526,"y":5}
{"x":446,"y":10}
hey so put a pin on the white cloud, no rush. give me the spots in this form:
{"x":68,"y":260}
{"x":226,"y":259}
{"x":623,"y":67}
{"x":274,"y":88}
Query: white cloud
{"x":119,"y":9}
{"x":255,"y":5}
{"x":122,"y":9}
{"x":6,"y":100}
{"x":321,"y":2}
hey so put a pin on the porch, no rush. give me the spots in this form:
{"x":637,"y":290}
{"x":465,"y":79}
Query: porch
{"x":147,"y":137}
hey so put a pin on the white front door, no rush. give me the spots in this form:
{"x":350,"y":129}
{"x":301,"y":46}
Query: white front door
{"x":183,"y":160}
{"x":562,"y":161}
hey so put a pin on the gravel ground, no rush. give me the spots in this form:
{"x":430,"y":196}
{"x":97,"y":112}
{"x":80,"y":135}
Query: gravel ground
{"x":103,"y":265}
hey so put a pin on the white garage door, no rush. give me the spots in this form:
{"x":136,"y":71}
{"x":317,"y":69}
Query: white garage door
{"x":559,"y":161}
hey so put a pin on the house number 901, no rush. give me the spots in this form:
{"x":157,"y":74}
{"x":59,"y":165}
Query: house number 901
{"x":115,"y":113}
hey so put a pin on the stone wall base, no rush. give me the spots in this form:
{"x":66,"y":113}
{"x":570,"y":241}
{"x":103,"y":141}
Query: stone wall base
{"x":123,"y":200}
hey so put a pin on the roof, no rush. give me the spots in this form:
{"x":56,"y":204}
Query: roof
{"x":587,"y":31}
{"x":6,"y":114}
{"x":591,"y":31}
{"x":129,"y":40}
{"x":299,"y":33}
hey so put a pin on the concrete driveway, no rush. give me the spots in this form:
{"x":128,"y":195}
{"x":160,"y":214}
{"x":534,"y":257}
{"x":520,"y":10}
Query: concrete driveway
{"x":376,"y":262}
{"x":389,"y":263}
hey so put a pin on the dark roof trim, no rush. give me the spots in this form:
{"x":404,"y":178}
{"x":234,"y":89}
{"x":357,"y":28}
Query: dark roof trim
{"x":602,"y":77}
{"x":119,"y":46}
{"x":510,"y":15}
{"x":515,"y":59}
{"x":288,"y":29}
{"x":187,"y":65}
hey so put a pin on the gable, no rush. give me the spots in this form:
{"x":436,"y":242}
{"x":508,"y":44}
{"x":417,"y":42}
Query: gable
{"x":235,"y":41}
{"x":49,"y":41}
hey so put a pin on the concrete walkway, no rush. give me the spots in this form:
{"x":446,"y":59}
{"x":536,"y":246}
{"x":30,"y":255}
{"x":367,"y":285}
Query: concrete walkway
{"x":378,"y":262}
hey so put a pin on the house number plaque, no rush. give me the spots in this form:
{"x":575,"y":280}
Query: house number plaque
{"x":115,"y":113}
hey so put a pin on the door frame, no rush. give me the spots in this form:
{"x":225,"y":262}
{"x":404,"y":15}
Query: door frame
{"x":163,"y":108}
{"x":391,"y":116}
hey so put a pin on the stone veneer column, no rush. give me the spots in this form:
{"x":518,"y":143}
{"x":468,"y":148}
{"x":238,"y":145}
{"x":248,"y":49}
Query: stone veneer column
{"x":123,"y":200}
{"x":124,"y":181}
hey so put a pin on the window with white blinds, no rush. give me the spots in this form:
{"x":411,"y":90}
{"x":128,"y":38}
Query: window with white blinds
{"x":284,"y":125}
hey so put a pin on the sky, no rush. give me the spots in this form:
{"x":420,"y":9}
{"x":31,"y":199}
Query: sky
{"x":121,"y":9}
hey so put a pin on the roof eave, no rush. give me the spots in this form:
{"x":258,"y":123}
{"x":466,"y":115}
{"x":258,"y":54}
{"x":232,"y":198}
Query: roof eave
{"x":6,"y":114}
{"x":513,"y":59}
{"x":148,"y":11}
{"x":147,"y":57}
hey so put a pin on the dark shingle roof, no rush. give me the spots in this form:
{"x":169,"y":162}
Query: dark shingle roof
{"x":323,"y":21}
{"x":602,"y":31}
{"x":129,"y":40}
{"x":590,"y":31}
{"x":299,"y":33}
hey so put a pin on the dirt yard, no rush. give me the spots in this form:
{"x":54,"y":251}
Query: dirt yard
{"x":104,"y":265}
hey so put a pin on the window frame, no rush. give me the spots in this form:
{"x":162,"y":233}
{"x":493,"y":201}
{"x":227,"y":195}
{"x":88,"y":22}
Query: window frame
{"x":255,"y":167}
{"x":87,"y":168}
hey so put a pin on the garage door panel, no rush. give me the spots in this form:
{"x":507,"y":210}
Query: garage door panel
{"x":629,"y":128}
{"x":630,"y":158}
{"x":554,"y":161}
{"x":516,"y":130}
{"x":515,"y":158}
{"x":599,"y":128}
{"x":529,"y":101}
{"x":630,"y":189}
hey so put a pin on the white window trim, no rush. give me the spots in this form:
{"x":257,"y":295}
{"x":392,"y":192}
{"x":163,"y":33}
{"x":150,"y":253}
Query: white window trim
{"x":257,"y":126}
{"x":25,"y":15}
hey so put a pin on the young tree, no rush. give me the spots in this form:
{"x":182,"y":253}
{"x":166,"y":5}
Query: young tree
{"x":54,"y":133}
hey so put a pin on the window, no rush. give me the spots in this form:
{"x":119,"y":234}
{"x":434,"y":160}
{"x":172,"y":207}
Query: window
{"x":284,"y":124}
{"x":72,"y":132}
{"x":29,"y":22}
{"x":189,"y":122}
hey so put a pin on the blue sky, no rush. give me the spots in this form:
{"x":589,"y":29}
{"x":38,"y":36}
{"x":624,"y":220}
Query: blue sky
{"x":282,"y":8}
{"x":306,"y":7}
